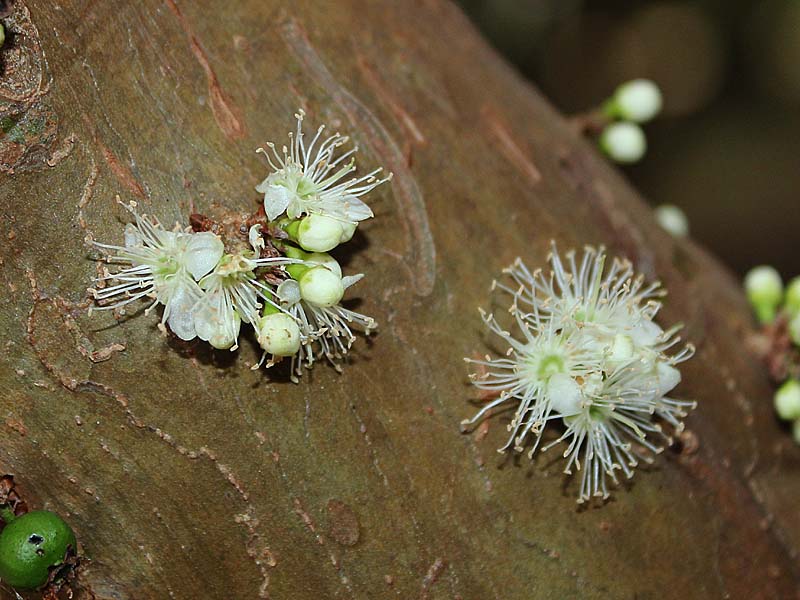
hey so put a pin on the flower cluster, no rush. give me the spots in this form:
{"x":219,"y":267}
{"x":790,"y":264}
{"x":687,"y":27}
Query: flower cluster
{"x":585,"y":352}
{"x":634,"y":102}
{"x":273,"y":271}
{"x":778,"y":310}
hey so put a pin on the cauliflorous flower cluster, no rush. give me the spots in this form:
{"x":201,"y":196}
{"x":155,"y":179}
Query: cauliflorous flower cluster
{"x":585,"y":352}
{"x":272,"y":271}
{"x":778,"y":310}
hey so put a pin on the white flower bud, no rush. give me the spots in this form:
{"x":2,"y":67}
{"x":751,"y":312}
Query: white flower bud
{"x":321,"y":287}
{"x":672,"y":219}
{"x":318,"y":233}
{"x":348,"y":231}
{"x":787,"y":400}
{"x":565,"y":394}
{"x":638,"y":100}
{"x":279,"y":334}
{"x":764,"y":289}
{"x":326,"y":260}
{"x":792,"y":302}
{"x":623,"y":142}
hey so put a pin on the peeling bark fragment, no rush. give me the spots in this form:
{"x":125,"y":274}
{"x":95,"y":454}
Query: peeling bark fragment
{"x":9,"y":496}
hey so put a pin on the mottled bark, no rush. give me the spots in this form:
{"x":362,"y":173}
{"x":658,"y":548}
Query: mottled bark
{"x":187,"y":475}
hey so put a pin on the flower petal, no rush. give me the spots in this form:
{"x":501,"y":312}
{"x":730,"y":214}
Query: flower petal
{"x":351,"y":280}
{"x":276,"y":200}
{"x":355,"y":210}
{"x":202,"y":253}
{"x":179,"y":313}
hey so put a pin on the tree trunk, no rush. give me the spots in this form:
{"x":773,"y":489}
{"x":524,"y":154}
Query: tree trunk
{"x":187,"y":475}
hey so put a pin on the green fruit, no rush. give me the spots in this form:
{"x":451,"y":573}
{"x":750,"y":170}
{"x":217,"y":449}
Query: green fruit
{"x":30,"y":545}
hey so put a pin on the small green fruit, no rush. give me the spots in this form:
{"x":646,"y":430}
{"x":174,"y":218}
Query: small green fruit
{"x":30,"y":545}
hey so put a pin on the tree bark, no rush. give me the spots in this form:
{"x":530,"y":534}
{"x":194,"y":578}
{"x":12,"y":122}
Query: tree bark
{"x":187,"y":475}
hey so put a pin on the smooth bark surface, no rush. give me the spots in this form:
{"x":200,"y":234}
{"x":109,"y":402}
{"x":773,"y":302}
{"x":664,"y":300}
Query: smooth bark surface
{"x":187,"y":475}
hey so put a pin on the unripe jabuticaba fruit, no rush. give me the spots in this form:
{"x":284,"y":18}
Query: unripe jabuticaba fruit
{"x":30,"y":545}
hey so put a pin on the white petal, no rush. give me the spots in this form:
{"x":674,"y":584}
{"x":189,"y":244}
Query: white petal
{"x":565,"y":394}
{"x":289,"y":292}
{"x":276,"y":200}
{"x":214,"y":324}
{"x":351,"y":280}
{"x":355,"y":210}
{"x":181,"y":319}
{"x":668,"y":378}
{"x":133,"y":236}
{"x":255,"y":238}
{"x":645,"y":333}
{"x":202,"y":254}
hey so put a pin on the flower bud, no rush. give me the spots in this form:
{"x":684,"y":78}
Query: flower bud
{"x":319,"y":233}
{"x":787,"y":400}
{"x":623,"y":142}
{"x":764,"y":290}
{"x":321,"y":287}
{"x":792,"y":301}
{"x":638,"y":100}
{"x":279,"y":334}
{"x":326,"y":260}
{"x":348,"y":231}
{"x":672,"y":219}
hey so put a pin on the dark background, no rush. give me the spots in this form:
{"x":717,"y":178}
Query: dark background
{"x":726,"y":148}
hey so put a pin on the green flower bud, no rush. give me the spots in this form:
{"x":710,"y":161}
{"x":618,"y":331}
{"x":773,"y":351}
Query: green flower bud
{"x":787,"y":400}
{"x":321,"y":287}
{"x":32,"y":544}
{"x":623,"y":142}
{"x":2,"y":35}
{"x":279,"y":334}
{"x":319,"y":233}
{"x":794,"y":329}
{"x":638,"y":100}
{"x":672,"y":219}
{"x":792,"y":301}
{"x":764,"y":290}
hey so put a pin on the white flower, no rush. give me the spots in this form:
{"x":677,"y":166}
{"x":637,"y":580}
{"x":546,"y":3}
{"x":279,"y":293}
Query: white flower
{"x":163,"y":265}
{"x":585,"y":352}
{"x":308,"y":179}
{"x":232,"y":295}
{"x":325,"y":330}
{"x":623,"y":142}
{"x":525,"y":374}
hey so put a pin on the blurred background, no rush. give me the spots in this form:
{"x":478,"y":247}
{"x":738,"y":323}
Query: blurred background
{"x":726,"y":148}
